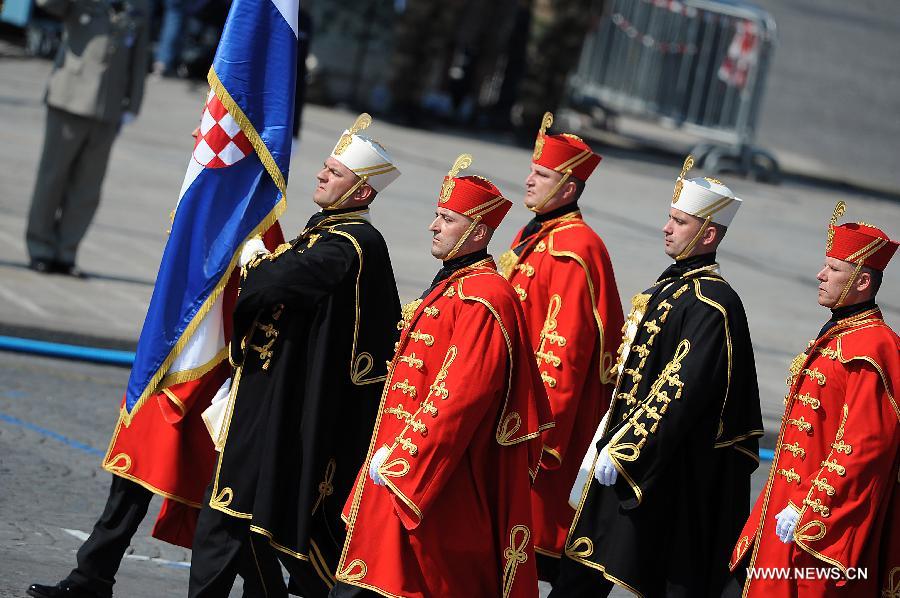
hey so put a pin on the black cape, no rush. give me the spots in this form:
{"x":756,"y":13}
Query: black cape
{"x":314,"y":325}
{"x":683,"y":432}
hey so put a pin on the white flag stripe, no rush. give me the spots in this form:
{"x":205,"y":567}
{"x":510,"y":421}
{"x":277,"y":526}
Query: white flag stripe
{"x":205,"y":343}
{"x":290,"y":10}
{"x":194,"y":168}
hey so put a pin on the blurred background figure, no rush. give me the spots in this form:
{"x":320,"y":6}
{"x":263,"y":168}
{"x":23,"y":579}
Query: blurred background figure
{"x":168,"y":48}
{"x":488,"y":65}
{"x":423,"y":36}
{"x":96,"y":87}
{"x":555,"y":35}
{"x":304,"y":39}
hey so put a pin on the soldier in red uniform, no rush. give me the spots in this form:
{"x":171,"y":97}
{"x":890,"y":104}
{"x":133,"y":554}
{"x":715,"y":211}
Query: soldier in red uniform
{"x":562,"y":273}
{"x":442,"y":505}
{"x":831,"y":502}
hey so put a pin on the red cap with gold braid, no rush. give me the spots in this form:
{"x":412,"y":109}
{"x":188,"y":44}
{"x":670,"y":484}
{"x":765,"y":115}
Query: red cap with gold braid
{"x":564,"y":153}
{"x":472,"y":196}
{"x":858,"y":243}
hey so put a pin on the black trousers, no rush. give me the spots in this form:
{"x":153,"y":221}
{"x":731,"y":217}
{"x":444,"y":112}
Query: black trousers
{"x":305,"y":580}
{"x":101,"y":554}
{"x":547,"y":567}
{"x":345,"y":590}
{"x":224,"y":548}
{"x":577,"y":581}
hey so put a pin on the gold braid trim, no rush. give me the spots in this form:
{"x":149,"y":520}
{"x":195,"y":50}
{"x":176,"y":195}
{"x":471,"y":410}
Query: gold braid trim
{"x":463,"y":238}
{"x":343,"y":198}
{"x":195,"y":373}
{"x":693,"y":243}
{"x":562,"y":181}
{"x":462,"y":162}
{"x":849,"y":284}
{"x":515,"y":555}
{"x":326,"y":486}
{"x":839,"y":209}
{"x":688,"y":164}
{"x":546,"y":122}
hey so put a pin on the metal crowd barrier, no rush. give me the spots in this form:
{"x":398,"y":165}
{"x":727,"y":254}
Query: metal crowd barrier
{"x":695,"y":65}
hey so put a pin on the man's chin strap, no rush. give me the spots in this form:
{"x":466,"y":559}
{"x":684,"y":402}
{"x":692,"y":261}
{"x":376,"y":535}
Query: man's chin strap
{"x":697,"y":237}
{"x":847,"y":286}
{"x":462,"y":239}
{"x":553,"y":192}
{"x":337,"y":204}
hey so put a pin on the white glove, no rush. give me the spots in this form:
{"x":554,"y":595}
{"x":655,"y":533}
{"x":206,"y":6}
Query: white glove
{"x":214,"y":415}
{"x":787,"y":523}
{"x":584,"y":471}
{"x":127,"y":119}
{"x":251,"y":249}
{"x":604,"y":470}
{"x":377,"y":459}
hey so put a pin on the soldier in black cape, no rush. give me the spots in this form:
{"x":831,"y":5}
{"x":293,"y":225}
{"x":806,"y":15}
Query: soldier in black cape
{"x":665,"y":488}
{"x":314,"y":325}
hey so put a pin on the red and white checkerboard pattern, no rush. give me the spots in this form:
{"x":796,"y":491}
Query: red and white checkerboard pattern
{"x":220,"y":142}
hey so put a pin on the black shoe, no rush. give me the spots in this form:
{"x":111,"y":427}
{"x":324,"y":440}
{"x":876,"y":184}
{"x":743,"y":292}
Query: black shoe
{"x":42,"y":266}
{"x":61,"y":590}
{"x":69,"y":270}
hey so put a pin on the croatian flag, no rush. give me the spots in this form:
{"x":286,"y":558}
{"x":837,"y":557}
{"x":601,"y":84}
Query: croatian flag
{"x":234,"y":188}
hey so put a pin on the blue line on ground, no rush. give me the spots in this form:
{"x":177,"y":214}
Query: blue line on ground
{"x":51,"y":434}
{"x":48,"y":349}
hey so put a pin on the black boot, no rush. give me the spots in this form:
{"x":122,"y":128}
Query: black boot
{"x":63,"y":589}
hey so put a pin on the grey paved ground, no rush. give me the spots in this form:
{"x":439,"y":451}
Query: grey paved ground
{"x":55,"y":420}
{"x":833,"y":101}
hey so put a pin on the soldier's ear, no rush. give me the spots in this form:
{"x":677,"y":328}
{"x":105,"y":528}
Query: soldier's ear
{"x":713,"y":234}
{"x":709,"y":235}
{"x":863,"y":281}
{"x":364,"y":194}
{"x":481,"y":232}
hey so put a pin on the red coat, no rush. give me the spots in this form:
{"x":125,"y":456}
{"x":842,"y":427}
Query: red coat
{"x":565,"y":280}
{"x":462,"y":413}
{"x":836,"y":461}
{"x":166,"y":448}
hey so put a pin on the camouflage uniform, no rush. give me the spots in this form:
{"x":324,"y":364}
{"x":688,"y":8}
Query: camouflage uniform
{"x":423,"y":34}
{"x":558,"y":29}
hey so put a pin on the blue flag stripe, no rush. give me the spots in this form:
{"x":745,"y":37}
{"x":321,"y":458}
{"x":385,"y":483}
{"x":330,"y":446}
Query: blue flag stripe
{"x":253,"y":75}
